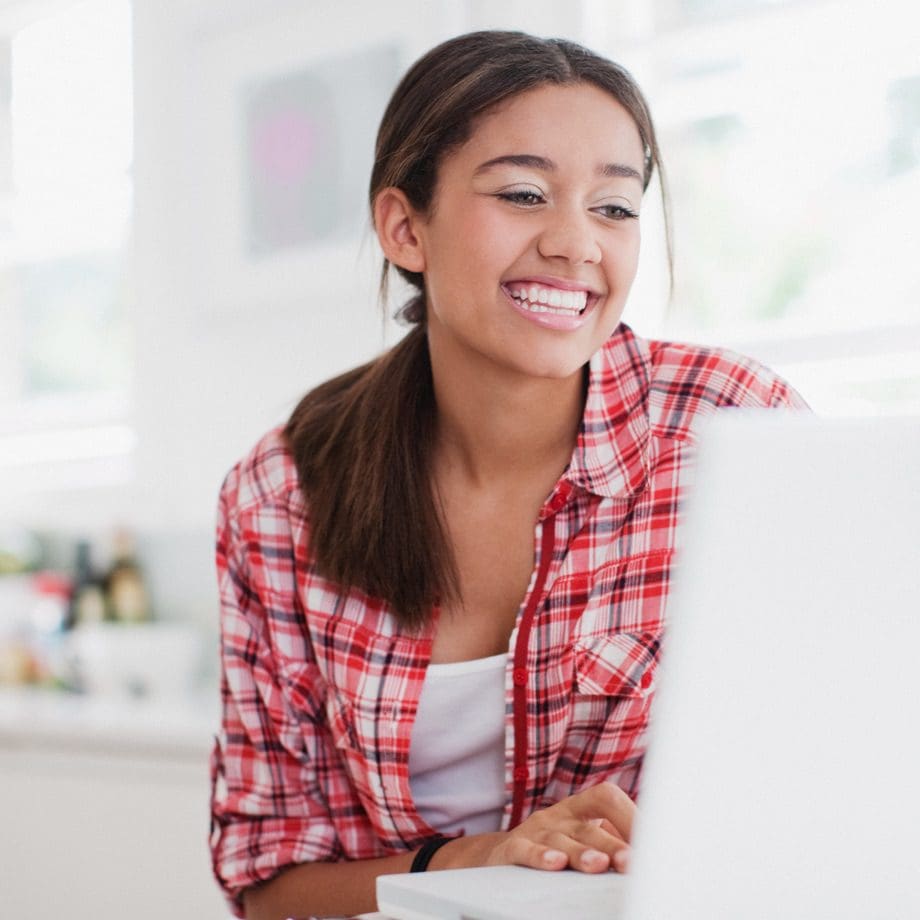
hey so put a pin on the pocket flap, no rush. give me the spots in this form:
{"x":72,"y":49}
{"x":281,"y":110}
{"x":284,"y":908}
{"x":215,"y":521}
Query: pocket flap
{"x":623,"y":664}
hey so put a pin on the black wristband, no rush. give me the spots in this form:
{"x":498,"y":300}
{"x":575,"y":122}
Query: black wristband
{"x":429,"y":848}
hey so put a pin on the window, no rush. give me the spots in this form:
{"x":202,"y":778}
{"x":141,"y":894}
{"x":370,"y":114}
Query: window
{"x":791,"y":134}
{"x":65,"y":213}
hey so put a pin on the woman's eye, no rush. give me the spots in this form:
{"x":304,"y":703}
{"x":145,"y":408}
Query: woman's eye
{"x":616,"y":212}
{"x":523,"y":197}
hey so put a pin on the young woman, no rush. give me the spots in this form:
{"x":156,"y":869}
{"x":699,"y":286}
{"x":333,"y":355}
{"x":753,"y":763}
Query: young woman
{"x":443,"y":582}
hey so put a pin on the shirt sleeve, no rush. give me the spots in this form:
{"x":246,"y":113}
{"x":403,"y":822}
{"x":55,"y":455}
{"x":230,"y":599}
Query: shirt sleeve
{"x":267,"y":807}
{"x":783,"y":396}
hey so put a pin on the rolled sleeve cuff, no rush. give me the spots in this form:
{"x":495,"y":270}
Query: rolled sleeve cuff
{"x":248,"y":851}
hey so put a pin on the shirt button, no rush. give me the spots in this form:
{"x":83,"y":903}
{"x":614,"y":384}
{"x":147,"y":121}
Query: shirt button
{"x":519,"y":676}
{"x":646,"y":681}
{"x":520,"y":774}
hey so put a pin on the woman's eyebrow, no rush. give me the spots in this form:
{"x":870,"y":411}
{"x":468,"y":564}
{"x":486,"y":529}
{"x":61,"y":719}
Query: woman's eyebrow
{"x":532,"y":161}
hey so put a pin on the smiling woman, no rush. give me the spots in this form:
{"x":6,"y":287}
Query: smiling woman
{"x":480,"y":520}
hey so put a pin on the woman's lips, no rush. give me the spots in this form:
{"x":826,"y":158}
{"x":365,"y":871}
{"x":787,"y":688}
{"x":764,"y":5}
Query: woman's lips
{"x":540,"y":305}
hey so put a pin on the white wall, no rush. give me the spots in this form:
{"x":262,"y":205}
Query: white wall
{"x":212,"y":377}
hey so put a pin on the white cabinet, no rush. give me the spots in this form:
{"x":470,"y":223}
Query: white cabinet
{"x":104,"y":812}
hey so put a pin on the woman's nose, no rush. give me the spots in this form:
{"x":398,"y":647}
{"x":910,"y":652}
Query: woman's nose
{"x":571,"y":237}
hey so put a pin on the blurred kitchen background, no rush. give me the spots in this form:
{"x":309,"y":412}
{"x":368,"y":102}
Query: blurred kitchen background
{"x":184,"y":250}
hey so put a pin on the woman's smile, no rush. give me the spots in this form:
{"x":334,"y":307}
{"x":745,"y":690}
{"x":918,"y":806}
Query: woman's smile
{"x":553,"y":305}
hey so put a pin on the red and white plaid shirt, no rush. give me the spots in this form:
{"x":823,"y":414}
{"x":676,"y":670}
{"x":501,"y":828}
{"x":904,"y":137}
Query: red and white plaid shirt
{"x":320,"y":688}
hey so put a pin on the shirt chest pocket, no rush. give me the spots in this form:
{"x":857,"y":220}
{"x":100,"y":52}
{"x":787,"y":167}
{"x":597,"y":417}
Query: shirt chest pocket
{"x":613,"y":682}
{"x":335,"y":726}
{"x":368,"y":705}
{"x":623,"y":664}
{"x":326,"y":711}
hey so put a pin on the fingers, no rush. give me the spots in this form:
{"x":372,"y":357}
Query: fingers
{"x":589,"y":832}
{"x":554,"y":839}
{"x":592,"y":847}
{"x":519,"y":850}
{"x":562,"y":852}
{"x":585,"y":848}
{"x":607,"y":802}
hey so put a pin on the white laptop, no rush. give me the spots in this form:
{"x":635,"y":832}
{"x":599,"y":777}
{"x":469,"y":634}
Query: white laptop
{"x":783,"y":776}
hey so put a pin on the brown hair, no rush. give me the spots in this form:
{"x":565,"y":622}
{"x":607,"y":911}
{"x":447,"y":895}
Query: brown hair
{"x":362,"y":441}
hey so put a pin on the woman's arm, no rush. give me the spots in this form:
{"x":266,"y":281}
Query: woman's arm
{"x":589,"y":832}
{"x":280,"y":794}
{"x":339,"y":889}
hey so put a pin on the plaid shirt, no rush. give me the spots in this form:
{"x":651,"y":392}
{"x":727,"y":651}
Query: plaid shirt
{"x":320,"y":688}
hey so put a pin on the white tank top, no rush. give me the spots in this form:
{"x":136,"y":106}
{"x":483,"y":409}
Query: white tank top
{"x":457,"y":751}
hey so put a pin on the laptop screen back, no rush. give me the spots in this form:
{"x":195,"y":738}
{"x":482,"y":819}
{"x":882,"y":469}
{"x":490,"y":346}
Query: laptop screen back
{"x":782,"y":775}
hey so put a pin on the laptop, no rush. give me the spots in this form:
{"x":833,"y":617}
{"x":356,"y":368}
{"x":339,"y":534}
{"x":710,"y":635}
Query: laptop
{"x":783,"y":774}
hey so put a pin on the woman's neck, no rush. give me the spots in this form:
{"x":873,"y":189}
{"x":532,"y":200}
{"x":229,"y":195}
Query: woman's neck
{"x":495,"y":425}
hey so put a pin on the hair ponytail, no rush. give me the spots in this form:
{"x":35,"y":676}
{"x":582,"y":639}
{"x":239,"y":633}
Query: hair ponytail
{"x":362,"y":443}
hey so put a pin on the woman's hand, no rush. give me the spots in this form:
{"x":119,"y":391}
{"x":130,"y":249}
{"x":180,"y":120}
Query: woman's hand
{"x":589,"y":831}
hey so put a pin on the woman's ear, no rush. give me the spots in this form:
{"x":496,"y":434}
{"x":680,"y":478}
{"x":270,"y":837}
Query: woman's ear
{"x":396,"y":223}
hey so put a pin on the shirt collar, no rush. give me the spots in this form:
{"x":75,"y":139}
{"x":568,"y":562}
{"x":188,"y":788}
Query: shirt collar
{"x":611,"y":454}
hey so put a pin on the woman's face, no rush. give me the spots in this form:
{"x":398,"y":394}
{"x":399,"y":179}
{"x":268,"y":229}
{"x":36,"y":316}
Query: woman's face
{"x":532,"y":243}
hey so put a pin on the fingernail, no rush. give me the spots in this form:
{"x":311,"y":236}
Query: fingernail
{"x":553,"y":856}
{"x":621,"y":860}
{"x":593,"y":858}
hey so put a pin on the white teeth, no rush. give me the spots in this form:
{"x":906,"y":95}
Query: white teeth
{"x":551,"y":300}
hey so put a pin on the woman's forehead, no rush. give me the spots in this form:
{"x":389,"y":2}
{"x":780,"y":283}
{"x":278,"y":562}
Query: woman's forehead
{"x":581,"y":118}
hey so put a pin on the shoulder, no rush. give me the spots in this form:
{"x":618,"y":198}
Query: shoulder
{"x":683,"y":381}
{"x":716,"y":376}
{"x":266,"y":477}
